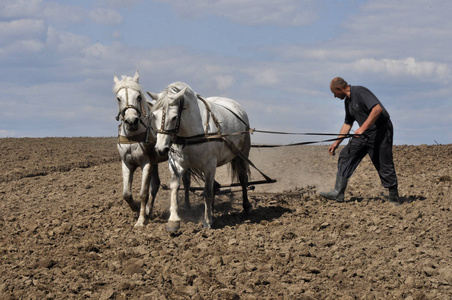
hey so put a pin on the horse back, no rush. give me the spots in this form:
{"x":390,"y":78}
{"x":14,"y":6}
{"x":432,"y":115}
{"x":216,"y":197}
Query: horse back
{"x":230,"y":113}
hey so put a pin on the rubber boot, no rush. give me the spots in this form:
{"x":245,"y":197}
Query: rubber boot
{"x":339,"y":190}
{"x":394,"y":196}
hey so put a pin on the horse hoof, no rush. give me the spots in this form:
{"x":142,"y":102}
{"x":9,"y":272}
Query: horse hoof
{"x":138,"y":224}
{"x":172,"y":226}
{"x":247,"y":209}
{"x":141,"y":222}
{"x":135,"y":209}
{"x":207,"y":225}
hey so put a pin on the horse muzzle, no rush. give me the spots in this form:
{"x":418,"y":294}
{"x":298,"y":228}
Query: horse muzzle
{"x":162,"y":151}
{"x":131,"y":123}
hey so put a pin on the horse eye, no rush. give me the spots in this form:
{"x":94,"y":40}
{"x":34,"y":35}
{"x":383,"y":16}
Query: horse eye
{"x":119,"y":100}
{"x":139,"y":98}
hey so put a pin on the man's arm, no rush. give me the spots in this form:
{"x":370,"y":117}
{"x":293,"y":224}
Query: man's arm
{"x":344,"y":130}
{"x":371,"y":119}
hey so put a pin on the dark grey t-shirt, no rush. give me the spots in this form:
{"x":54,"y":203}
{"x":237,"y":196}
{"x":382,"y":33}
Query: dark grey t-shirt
{"x":359,"y":105}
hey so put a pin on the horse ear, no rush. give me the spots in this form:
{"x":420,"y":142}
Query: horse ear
{"x":151,"y":103}
{"x":136,"y":78}
{"x":179,"y":94}
{"x":154,"y":96}
{"x":116,"y":79}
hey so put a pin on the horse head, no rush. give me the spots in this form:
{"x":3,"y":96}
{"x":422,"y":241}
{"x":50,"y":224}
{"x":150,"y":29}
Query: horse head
{"x":166,"y":118}
{"x":131,"y":101}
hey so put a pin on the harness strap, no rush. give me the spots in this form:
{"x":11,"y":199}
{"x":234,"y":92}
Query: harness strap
{"x":202,"y":138}
{"x":198,"y":139}
{"x":138,"y":138}
{"x":143,"y":137}
{"x":236,"y":115}
{"x":211,"y":114}
{"x":243,"y":156}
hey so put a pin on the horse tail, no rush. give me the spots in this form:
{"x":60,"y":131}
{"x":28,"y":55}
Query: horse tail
{"x":238,"y":164}
{"x":197,"y":175}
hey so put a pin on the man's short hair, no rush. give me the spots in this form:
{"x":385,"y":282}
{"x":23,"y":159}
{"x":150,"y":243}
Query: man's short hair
{"x":339,"y":82}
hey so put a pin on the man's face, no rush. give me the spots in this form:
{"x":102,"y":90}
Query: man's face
{"x":338,"y":93}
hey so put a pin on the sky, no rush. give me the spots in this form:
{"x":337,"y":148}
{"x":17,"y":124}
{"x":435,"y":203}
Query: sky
{"x":276,"y":58}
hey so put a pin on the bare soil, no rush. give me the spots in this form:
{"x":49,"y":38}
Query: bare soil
{"x":66,"y":232}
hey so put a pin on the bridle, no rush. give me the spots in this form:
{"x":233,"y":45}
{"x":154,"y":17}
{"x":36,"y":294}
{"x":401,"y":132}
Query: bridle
{"x":175,"y":130}
{"x":122,"y":112}
{"x":141,"y":116}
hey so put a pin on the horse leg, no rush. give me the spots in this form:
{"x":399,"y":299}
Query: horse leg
{"x":187,"y":182}
{"x":243,"y":178}
{"x":173,"y":224}
{"x":209,"y":196}
{"x":155,"y":186}
{"x":244,"y":172}
{"x":242,"y":169}
{"x":127,"y":178}
{"x":144,"y":194}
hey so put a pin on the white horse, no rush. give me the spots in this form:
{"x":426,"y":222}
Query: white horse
{"x":136,"y":145}
{"x":201,"y":134}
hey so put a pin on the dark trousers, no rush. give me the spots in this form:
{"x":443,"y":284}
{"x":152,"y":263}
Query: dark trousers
{"x":378,"y":144}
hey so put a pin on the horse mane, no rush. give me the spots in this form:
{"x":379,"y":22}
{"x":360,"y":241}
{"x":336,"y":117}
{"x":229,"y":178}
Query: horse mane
{"x":173,"y":89}
{"x":128,"y":82}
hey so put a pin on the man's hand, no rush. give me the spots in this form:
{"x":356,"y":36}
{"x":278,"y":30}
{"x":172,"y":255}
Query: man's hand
{"x":344,"y":131}
{"x":371,"y":119}
{"x":359,"y":131}
{"x":332,"y":148}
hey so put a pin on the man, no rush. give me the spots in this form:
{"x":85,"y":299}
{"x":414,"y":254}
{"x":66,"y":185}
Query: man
{"x":373,"y":137}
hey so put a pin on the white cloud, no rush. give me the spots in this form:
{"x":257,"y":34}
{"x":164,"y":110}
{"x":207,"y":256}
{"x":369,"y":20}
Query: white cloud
{"x":21,"y":38}
{"x":320,"y":52}
{"x":116,"y":3}
{"x":21,"y":47}
{"x":413,"y":27}
{"x":250,"y":12}
{"x":266,"y":76}
{"x":67,"y":43}
{"x":20,"y":8}
{"x":39,"y":9}
{"x":22,"y":29}
{"x":422,"y":70}
{"x":62,"y":13}
{"x":105,"y":16}
{"x":224,"y":82}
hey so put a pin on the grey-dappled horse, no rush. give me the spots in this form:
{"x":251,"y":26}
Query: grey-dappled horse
{"x":136,"y":143}
{"x":201,"y":134}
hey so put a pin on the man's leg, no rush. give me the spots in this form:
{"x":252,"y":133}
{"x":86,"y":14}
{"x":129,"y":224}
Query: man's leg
{"x":383,"y":161}
{"x":348,"y":161}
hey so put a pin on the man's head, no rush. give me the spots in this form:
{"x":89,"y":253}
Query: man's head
{"x":340,"y":88}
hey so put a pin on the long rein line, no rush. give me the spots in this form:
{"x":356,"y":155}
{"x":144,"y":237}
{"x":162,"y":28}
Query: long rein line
{"x":220,"y":135}
{"x":339,"y":137}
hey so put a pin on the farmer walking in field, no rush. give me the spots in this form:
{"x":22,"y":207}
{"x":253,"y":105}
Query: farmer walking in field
{"x":373,"y":137}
